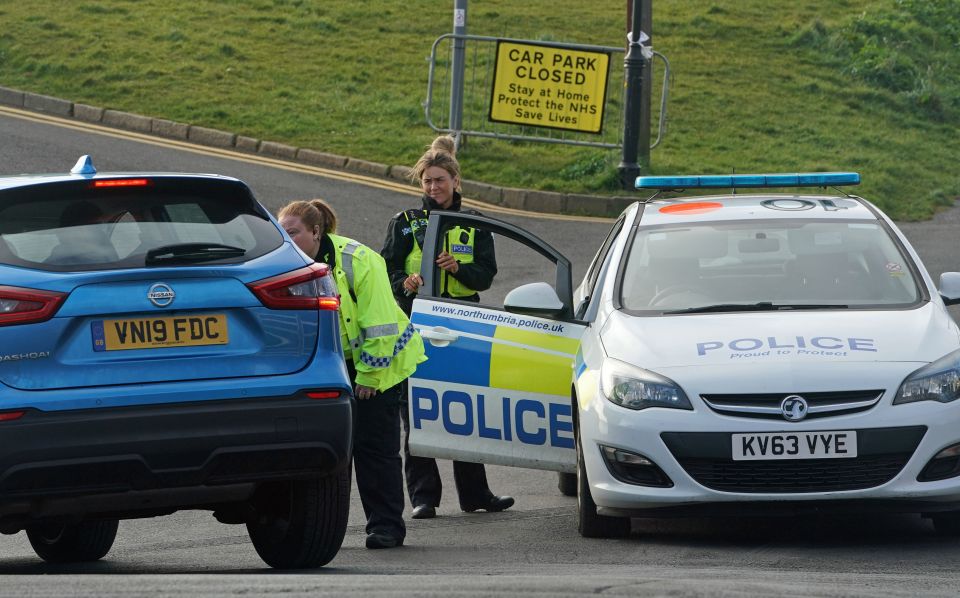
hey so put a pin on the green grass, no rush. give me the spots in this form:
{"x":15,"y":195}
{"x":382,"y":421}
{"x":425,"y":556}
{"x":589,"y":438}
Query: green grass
{"x":758,"y":85}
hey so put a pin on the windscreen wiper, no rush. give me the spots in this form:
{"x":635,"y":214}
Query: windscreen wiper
{"x":761,"y":306}
{"x":192,"y":252}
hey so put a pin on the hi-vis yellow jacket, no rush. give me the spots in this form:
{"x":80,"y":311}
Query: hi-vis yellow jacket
{"x":472,"y":248}
{"x":374,"y":331}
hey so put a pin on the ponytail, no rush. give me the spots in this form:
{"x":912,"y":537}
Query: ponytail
{"x":313,"y":213}
{"x":444,"y":143}
{"x":329,"y":216}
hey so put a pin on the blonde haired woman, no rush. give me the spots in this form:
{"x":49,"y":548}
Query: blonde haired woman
{"x":468,"y":267}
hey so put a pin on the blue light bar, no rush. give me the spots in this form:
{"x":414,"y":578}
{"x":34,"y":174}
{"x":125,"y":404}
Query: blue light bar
{"x":803,"y":179}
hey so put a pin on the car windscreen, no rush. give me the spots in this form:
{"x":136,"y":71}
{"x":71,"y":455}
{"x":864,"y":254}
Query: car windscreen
{"x":75,"y":226}
{"x":797,"y":264}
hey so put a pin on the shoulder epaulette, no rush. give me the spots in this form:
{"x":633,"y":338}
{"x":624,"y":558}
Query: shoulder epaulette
{"x":412,"y":213}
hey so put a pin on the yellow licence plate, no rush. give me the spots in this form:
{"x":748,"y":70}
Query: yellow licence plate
{"x":154,"y":333}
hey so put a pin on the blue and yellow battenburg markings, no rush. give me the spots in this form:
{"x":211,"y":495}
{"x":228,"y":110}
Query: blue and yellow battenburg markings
{"x":503,"y":362}
{"x":489,"y":363}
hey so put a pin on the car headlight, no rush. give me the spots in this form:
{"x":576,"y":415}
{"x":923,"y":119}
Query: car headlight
{"x":938,"y":381}
{"x":637,"y":388}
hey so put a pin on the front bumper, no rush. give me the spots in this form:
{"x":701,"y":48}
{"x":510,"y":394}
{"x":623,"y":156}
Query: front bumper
{"x":790,"y":508}
{"x":120,"y":460}
{"x":693,"y":449}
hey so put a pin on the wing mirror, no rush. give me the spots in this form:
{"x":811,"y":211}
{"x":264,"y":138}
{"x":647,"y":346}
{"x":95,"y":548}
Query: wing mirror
{"x":950,"y":287}
{"x":534,"y":299}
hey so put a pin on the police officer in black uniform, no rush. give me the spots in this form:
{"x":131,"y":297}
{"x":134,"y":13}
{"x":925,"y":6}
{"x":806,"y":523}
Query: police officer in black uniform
{"x":469,"y":265}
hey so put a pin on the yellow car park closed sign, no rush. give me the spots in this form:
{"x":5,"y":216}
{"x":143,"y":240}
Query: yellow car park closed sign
{"x":548,"y":86}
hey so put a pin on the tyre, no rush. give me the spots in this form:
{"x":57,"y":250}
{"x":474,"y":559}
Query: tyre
{"x":300,"y":524}
{"x":86,"y":541}
{"x":947,"y":524}
{"x":589,"y":523}
{"x":567,"y":484}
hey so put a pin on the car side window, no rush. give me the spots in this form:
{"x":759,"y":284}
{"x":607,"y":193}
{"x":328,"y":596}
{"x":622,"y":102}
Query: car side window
{"x":501,"y":259}
{"x":516,"y":264}
{"x":596,"y":267}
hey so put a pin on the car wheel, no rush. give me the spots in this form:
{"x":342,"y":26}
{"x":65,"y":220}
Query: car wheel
{"x":57,"y":542}
{"x":567,"y":483}
{"x":947,"y":524}
{"x":589,"y":523}
{"x":300,"y":524}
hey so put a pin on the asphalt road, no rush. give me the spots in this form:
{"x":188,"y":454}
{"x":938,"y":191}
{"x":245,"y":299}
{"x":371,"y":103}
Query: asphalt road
{"x":533,"y":548}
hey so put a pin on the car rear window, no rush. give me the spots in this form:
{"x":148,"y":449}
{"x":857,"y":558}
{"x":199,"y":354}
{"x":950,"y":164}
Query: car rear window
{"x":167,"y":221}
{"x":790,"y":263}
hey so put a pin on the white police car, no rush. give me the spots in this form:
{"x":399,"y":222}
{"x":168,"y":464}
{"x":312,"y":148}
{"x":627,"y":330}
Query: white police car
{"x":745,"y":353}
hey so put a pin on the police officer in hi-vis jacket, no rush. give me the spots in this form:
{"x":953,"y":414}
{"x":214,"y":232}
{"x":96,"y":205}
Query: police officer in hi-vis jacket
{"x":468,"y":266}
{"x":381,"y":349}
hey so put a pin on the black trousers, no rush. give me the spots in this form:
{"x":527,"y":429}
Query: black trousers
{"x":376,"y":460}
{"x":423,"y":476}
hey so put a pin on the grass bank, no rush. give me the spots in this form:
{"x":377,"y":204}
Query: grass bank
{"x":758,"y":85}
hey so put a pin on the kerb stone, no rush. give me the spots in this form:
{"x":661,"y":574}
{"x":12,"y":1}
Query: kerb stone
{"x":171,"y":129}
{"x":592,"y":205}
{"x":247,"y":144}
{"x":278,"y":150}
{"x":215,"y":137}
{"x":128,"y":121}
{"x":316,"y":158}
{"x":93,"y":114}
{"x":35,"y":101}
{"x":11,"y":97}
{"x":514,"y":198}
{"x":365,"y":167}
{"x":546,"y":201}
{"x":482,"y":191}
{"x":400,"y":173}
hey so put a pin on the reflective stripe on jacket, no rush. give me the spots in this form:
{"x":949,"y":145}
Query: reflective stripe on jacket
{"x":375,"y":332}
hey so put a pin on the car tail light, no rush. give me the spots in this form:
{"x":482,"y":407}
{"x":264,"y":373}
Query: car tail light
{"x":28,"y":306}
{"x":323,"y":394}
{"x":311,"y":287}
{"x":7,"y":416}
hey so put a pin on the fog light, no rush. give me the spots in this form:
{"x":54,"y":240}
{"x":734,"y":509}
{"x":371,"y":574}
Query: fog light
{"x":945,"y":464}
{"x":633,"y":468}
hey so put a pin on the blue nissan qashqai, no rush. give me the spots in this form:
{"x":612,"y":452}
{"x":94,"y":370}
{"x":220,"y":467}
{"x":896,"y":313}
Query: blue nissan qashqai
{"x":165,"y":346}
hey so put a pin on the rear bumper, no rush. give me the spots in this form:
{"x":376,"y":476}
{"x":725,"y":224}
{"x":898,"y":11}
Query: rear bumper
{"x":166,"y":456}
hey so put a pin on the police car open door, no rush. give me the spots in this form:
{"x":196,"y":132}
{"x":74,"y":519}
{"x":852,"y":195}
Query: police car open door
{"x":496,"y":387}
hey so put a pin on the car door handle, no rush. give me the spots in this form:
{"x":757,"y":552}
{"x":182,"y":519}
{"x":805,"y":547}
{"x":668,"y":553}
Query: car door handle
{"x":439,"y":336}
